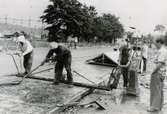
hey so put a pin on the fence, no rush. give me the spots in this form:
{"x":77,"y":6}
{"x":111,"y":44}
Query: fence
{"x":35,"y":27}
{"x":31,"y":23}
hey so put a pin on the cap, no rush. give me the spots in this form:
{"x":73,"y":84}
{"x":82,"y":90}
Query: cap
{"x":21,"y":39}
{"x":53,"y":45}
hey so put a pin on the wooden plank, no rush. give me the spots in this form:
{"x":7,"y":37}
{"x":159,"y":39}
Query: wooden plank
{"x":76,"y":98}
{"x":74,"y":83}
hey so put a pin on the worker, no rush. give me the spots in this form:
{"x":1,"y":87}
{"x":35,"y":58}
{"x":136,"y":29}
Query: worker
{"x":75,"y":42}
{"x":25,"y":50}
{"x":134,"y":68}
{"x":123,"y":63}
{"x":132,"y":64}
{"x":157,"y":77}
{"x":123,"y":60}
{"x":63,"y":58}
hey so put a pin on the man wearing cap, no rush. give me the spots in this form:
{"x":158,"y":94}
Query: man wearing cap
{"x":63,"y":58}
{"x":26,"y":51}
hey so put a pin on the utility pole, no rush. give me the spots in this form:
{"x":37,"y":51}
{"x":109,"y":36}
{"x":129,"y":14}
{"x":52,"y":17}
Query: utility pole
{"x":29,"y":22}
{"x":29,"y":25}
{"x":13,"y":21}
{"x":21,"y":21}
{"x":6,"y":19}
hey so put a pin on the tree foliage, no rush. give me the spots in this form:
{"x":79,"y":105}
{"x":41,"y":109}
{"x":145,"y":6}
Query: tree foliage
{"x":159,"y":28}
{"x":70,"y":17}
{"x":108,"y":27}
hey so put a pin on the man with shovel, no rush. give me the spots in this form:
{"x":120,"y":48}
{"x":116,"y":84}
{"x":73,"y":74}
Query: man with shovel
{"x":63,"y":59}
{"x":26,"y":50}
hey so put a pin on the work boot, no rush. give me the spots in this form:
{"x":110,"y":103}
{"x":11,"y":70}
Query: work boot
{"x":63,"y":78}
{"x":152,"y":110}
{"x":70,"y":86}
{"x":125,"y":85}
{"x":112,"y":86}
{"x":70,"y":82}
{"x":55,"y":82}
{"x":25,"y":73}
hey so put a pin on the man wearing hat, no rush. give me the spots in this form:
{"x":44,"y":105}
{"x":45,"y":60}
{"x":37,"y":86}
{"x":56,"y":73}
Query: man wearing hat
{"x":63,"y":60}
{"x":26,"y":51}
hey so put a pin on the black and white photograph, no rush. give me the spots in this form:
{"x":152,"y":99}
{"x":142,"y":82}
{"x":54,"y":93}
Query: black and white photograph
{"x":83,"y":57}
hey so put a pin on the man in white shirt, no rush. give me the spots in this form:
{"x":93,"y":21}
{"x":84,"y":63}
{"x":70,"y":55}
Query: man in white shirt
{"x":26,"y":51}
{"x":157,"y":78}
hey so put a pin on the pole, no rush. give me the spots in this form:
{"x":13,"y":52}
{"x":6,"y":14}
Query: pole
{"x":84,"y":77}
{"x":14,"y":63}
{"x":74,"y":83}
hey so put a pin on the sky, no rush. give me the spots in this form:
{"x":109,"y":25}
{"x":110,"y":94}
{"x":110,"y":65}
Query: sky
{"x":22,"y":8}
{"x":142,"y":14}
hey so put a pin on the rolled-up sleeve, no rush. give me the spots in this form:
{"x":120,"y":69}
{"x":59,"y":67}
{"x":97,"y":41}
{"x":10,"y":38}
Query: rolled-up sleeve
{"x":28,"y":48}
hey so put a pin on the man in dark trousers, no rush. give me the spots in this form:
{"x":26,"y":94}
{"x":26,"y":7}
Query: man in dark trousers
{"x":63,"y":60}
{"x":123,"y":60}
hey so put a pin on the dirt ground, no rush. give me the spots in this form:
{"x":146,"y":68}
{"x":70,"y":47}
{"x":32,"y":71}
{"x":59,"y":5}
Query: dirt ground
{"x":118,"y":102}
{"x":38,"y":97}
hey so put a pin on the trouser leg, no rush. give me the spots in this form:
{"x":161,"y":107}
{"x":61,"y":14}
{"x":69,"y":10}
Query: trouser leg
{"x":58,"y":72}
{"x":116,"y":77}
{"x":75,"y":45}
{"x":125,"y":76}
{"x":156,"y":91}
{"x":67,"y":65}
{"x":27,"y":63}
{"x":144,"y":64}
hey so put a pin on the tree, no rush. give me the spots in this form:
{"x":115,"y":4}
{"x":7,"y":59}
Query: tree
{"x":130,"y":36}
{"x":67,"y":17}
{"x":159,"y":28}
{"x":107,"y":27}
{"x":88,"y":32}
{"x":70,"y":17}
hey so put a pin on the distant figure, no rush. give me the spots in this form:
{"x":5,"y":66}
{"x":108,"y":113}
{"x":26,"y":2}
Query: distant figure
{"x":75,"y":42}
{"x":95,"y":39}
{"x":26,"y":51}
{"x":144,"y":56}
{"x":157,"y":78}
{"x":72,"y":41}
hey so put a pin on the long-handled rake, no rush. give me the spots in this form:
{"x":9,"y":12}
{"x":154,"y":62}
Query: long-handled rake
{"x":20,"y":81}
{"x":17,"y":68}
